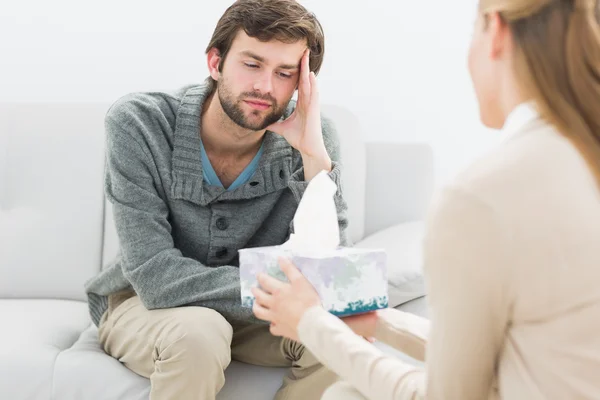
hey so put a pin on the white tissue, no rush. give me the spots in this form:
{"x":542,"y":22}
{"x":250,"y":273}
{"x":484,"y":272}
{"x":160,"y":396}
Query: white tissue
{"x":316,"y":228}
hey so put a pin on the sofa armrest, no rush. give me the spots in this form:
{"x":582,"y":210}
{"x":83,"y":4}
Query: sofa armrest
{"x":399,"y":185}
{"x":403,"y":244}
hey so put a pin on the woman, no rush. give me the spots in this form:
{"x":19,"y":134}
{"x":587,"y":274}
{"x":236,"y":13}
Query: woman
{"x":512,"y":258}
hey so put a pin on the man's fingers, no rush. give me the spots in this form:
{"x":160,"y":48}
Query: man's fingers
{"x":304,"y":85}
{"x":306,"y":62}
{"x":314,"y":89}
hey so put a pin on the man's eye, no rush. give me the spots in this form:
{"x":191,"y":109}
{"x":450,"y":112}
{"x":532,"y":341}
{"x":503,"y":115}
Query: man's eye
{"x":284,"y":75}
{"x":249,"y":65}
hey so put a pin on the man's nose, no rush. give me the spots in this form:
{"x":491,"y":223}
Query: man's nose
{"x":264,"y":83}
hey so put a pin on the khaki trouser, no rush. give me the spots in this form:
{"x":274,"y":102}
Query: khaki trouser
{"x":184,"y":351}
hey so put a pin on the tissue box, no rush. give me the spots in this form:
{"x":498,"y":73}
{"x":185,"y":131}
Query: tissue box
{"x":348,"y":280}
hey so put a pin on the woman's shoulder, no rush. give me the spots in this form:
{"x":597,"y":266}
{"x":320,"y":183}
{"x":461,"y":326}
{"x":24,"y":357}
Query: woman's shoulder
{"x":532,"y":159}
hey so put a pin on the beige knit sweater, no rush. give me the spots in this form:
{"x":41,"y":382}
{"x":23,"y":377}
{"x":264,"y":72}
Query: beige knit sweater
{"x":512,"y":261}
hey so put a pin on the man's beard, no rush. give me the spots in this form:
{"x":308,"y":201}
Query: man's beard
{"x":233,"y":108}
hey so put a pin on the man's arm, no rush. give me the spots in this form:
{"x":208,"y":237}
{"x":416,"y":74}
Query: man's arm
{"x":316,"y":140}
{"x":158,"y":272}
{"x":300,"y":179}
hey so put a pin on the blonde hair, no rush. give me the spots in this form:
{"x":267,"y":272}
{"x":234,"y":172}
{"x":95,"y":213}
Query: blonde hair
{"x":558,"y":64}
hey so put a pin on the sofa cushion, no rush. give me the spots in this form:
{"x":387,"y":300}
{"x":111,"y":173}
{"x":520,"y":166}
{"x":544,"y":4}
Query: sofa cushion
{"x":48,"y":357}
{"x":403,"y":244}
{"x":34,"y":332}
{"x":100,"y":377}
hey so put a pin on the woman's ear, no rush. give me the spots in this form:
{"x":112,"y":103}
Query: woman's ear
{"x":213,"y":58}
{"x":499,"y":35}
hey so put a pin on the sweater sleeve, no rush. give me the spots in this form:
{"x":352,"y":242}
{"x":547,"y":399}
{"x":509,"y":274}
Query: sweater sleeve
{"x":158,"y":272}
{"x":373,"y":373}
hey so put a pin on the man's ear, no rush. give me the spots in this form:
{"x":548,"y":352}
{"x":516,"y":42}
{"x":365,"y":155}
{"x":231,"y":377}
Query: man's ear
{"x":213,"y":58}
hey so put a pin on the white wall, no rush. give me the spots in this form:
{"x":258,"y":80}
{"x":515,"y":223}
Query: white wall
{"x":399,"y":65}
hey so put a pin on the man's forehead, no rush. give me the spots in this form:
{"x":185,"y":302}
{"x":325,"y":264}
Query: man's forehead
{"x":273,"y":51}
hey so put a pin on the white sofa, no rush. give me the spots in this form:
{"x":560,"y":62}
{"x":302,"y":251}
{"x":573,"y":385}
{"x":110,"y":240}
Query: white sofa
{"x":56,"y":232}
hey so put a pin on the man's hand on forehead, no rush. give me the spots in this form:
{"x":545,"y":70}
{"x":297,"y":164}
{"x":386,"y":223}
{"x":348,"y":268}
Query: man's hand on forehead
{"x":302,"y":129}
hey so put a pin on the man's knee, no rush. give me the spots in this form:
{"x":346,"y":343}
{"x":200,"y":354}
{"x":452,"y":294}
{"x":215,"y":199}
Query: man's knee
{"x":303,"y":357}
{"x":197,"y":337}
{"x":342,"y":391}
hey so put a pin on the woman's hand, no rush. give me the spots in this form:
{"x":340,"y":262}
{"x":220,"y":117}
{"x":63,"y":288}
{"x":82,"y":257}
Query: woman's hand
{"x":284,"y":304}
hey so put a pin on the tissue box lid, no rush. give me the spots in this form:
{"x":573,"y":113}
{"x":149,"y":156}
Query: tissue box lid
{"x":338,"y":252}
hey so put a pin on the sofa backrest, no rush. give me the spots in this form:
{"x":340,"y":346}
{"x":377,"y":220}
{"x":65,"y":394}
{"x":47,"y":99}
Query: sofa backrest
{"x":399,"y":184}
{"x":51,"y":199}
{"x":55,"y":228}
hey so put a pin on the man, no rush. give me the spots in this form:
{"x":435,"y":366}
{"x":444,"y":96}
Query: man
{"x":198,"y":174}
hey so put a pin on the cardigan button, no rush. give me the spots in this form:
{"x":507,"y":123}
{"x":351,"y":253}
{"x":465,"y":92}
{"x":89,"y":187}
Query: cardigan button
{"x":222,"y":223}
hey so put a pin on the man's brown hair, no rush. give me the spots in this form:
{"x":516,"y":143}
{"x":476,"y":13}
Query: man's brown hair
{"x":265,"y":20}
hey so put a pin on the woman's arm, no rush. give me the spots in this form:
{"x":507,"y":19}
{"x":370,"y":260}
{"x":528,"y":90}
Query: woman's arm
{"x":375,"y":374}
